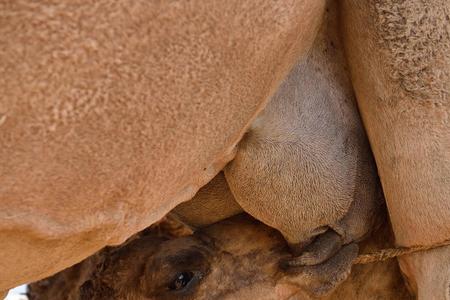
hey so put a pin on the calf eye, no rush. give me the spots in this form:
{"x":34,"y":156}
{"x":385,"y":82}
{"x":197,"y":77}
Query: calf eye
{"x":181,"y":280}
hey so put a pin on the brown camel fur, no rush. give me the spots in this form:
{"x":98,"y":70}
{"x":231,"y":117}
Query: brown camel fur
{"x":236,"y":258}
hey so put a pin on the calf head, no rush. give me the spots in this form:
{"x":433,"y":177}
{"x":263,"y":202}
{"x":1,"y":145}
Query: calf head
{"x":237,"y":258}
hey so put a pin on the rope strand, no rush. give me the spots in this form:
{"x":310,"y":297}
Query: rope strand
{"x":385,"y":254}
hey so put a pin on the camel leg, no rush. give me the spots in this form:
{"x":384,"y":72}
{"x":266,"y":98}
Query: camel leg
{"x":398,"y":53}
{"x":430,"y":272}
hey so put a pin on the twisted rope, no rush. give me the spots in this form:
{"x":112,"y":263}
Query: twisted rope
{"x":385,"y":254}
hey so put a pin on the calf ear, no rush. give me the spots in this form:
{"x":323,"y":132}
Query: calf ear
{"x":172,"y":226}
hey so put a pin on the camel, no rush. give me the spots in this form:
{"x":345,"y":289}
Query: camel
{"x":304,"y":167}
{"x":87,"y":158}
{"x":114,"y":113}
{"x":236,"y":258}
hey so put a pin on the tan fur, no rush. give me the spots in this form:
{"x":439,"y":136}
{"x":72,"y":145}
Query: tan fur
{"x":400,"y":65}
{"x":111,"y":113}
{"x":77,"y":75}
{"x":417,"y":39}
{"x":305,"y":164}
{"x":212,"y":203}
{"x":240,"y":257}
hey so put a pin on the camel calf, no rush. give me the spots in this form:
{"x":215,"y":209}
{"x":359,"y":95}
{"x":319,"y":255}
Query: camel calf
{"x":237,"y":258}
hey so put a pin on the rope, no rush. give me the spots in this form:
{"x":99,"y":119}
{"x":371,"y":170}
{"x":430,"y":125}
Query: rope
{"x":385,"y":254}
